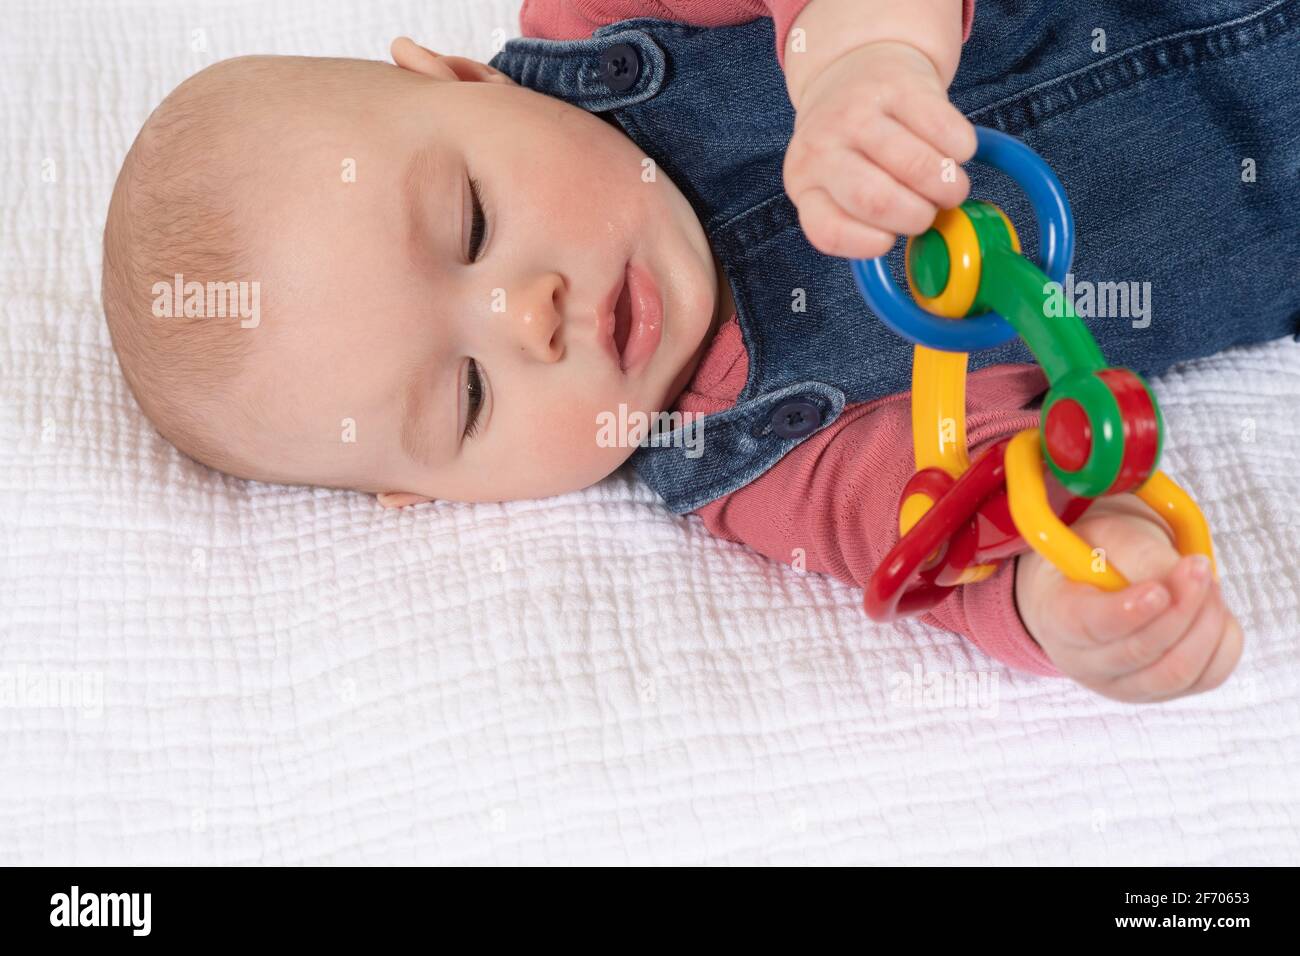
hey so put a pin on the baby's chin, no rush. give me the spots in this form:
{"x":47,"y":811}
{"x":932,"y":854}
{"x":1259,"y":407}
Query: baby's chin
{"x":701,"y":337}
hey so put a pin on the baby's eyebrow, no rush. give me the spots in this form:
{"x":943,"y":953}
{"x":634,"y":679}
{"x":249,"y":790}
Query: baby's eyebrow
{"x":420,"y":172}
{"x":415,"y":440}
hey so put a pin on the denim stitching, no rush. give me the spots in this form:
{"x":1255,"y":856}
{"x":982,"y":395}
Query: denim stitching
{"x":1150,"y":59}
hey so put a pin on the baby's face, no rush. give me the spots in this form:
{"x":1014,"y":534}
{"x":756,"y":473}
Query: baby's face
{"x":410,"y":346}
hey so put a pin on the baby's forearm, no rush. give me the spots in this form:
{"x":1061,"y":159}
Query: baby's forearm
{"x":827,"y":29}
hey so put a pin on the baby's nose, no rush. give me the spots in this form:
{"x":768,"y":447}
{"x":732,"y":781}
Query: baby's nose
{"x":540,"y":334}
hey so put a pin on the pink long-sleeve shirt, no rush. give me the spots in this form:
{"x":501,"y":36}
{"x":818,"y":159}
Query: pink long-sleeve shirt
{"x":833,"y":500}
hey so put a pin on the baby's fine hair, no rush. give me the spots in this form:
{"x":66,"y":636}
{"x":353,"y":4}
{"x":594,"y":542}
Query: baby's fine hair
{"x":176,"y":211}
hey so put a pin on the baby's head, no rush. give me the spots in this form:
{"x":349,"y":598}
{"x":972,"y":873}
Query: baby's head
{"x":356,"y":324}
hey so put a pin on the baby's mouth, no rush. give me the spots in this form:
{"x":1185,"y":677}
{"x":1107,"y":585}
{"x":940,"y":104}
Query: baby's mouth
{"x":622,"y":322}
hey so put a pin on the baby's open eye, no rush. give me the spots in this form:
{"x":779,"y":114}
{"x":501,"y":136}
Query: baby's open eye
{"x":473,"y":398}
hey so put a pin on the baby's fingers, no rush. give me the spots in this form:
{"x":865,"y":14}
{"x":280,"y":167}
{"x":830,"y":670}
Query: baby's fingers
{"x":917,"y":164}
{"x":863,"y":193}
{"x":937,"y":122}
{"x":1188,"y":585}
{"x":1225,"y":657}
{"x":834,"y":232}
{"x":872,"y":196}
{"x":1103,"y":618}
{"x":1119,"y":633}
{"x":1181,"y":668}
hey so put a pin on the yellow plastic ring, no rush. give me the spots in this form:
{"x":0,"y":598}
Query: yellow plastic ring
{"x":964,"y":259}
{"x":1191,"y":532}
{"x":976,"y":572}
{"x":1041,"y":528}
{"x":913,"y":510}
{"x":939,"y":410}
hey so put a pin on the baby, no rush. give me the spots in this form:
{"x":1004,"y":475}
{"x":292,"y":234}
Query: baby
{"x":448,"y":273}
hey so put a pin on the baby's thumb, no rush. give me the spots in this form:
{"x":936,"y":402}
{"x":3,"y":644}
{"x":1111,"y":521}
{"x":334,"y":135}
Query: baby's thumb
{"x":1105,"y":616}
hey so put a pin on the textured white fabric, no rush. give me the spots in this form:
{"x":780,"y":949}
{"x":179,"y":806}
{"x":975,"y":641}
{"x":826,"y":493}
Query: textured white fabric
{"x":289,"y":675}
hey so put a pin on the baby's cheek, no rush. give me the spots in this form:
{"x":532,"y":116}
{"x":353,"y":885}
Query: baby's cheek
{"x":576,"y":443}
{"x":602,"y":436}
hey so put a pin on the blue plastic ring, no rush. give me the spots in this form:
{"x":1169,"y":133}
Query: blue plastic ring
{"x":1055,"y":248}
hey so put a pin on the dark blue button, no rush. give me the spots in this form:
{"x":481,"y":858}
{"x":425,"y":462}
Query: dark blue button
{"x":620,"y":65}
{"x":796,"y":419}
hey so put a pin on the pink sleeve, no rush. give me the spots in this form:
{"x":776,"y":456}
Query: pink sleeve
{"x":576,"y":19}
{"x":836,"y":498}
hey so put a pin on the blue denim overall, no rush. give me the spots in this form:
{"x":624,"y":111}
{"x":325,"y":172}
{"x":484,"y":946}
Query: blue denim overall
{"x":1178,"y":143}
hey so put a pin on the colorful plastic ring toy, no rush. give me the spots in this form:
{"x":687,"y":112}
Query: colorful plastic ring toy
{"x":1055,"y":255}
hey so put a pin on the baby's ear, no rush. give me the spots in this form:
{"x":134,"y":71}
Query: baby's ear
{"x":410,"y":55}
{"x":400,"y":499}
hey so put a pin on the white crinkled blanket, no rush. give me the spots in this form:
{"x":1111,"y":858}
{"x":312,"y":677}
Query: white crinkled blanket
{"x":250,"y":673}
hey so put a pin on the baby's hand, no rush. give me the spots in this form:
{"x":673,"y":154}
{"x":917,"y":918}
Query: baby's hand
{"x":1165,"y":636}
{"x":876,"y":151}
